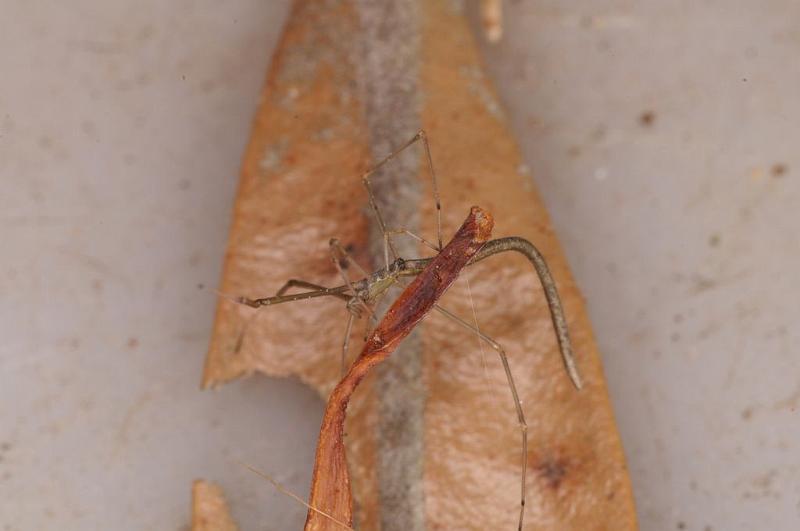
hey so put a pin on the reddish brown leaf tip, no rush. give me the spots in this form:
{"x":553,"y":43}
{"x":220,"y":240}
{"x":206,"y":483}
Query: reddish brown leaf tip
{"x":484,"y":222}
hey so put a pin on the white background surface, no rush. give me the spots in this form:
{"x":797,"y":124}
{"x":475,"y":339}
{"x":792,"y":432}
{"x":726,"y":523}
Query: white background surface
{"x":121,"y":130}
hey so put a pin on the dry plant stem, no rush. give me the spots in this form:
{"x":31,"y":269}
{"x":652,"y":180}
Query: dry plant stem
{"x":330,"y":486}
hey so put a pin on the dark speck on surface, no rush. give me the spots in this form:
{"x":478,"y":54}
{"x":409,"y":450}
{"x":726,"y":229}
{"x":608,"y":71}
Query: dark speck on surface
{"x":647,"y":118}
{"x":779,"y":170}
{"x":553,"y":472}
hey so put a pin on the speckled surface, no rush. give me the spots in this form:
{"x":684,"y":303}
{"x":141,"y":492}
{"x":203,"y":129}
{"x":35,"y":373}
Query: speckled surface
{"x":663,"y":138}
{"x":121,"y":132}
